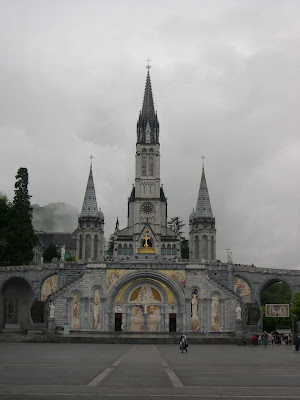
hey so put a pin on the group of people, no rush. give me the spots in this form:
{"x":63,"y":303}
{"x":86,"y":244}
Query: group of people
{"x":274,"y":338}
{"x":260,"y":339}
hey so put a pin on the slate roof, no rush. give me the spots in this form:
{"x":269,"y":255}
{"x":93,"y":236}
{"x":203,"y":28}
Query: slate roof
{"x":203,"y":208}
{"x":89,"y":206}
{"x":58,"y":239}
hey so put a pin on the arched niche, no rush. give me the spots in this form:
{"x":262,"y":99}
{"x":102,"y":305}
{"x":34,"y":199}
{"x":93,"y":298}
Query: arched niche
{"x":15,"y":303}
{"x":242,"y":289}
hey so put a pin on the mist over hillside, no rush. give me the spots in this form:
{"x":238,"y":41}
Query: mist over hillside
{"x":55,"y":217}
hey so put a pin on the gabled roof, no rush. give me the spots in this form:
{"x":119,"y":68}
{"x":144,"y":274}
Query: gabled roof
{"x":58,"y":239}
{"x":147,"y":226}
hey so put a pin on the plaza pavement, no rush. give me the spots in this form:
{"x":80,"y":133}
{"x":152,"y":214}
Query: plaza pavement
{"x":145,"y":371}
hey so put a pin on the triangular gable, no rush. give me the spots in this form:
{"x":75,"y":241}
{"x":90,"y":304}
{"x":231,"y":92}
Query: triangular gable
{"x":147,"y":226}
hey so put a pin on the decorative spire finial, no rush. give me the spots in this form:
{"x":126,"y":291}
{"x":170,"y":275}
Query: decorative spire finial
{"x":203,"y":162}
{"x":91,"y":157}
{"x":148,"y":66}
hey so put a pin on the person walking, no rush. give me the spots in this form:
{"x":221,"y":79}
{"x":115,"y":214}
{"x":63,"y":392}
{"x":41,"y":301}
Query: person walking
{"x":265,"y":339}
{"x":297,"y":342}
{"x":183,"y":343}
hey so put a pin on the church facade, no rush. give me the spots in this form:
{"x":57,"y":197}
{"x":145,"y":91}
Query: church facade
{"x":145,"y":286}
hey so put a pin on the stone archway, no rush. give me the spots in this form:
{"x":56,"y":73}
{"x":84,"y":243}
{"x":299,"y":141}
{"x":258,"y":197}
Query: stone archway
{"x":146,"y":300}
{"x":275,"y":299}
{"x":15,"y":302}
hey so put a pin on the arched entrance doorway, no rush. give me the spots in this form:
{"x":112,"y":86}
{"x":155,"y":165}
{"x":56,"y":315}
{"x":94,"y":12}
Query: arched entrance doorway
{"x":15,"y":301}
{"x":146,"y":304}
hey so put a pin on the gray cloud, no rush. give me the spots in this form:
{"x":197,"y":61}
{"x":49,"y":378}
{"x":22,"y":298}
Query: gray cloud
{"x":225,"y":80}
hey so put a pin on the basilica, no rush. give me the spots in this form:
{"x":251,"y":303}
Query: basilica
{"x":145,"y":286}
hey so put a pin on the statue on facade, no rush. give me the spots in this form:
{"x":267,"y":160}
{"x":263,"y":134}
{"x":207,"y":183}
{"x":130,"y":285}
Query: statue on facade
{"x":51,"y":310}
{"x":62,"y":252}
{"x":238,"y":312}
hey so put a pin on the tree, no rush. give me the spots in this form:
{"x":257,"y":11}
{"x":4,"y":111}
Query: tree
{"x":295,"y":309}
{"x":50,"y":253}
{"x":23,"y":238}
{"x":176,"y":224}
{"x":110,"y":247}
{"x":5,"y":211}
{"x":277,"y":293}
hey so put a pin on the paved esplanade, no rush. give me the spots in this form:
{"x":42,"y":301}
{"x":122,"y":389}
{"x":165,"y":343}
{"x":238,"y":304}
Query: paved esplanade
{"x":93,"y":371}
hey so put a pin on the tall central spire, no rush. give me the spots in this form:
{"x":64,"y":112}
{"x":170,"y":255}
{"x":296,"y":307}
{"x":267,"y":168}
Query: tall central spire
{"x":148,"y":125}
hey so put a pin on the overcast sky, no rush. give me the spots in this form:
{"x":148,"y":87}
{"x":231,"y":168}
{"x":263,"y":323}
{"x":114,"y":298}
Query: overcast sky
{"x":226,"y":84}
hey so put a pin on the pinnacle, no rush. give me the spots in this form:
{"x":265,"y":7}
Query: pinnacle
{"x":203,"y":208}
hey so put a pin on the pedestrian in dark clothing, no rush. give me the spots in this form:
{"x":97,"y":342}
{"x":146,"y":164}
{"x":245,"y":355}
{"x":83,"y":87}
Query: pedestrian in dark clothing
{"x":183,"y":343}
{"x":297,"y":342}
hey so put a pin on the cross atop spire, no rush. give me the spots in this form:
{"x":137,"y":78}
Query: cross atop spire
{"x":203,"y":157}
{"x":148,"y":66}
{"x":91,"y":157}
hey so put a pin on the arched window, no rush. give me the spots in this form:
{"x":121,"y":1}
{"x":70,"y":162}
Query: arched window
{"x":95,"y":247}
{"x":205,"y":247}
{"x":212,"y":248}
{"x":80,"y":247}
{"x":163,"y":250}
{"x":151,"y":163}
{"x":144,"y":163}
{"x":130,"y":250}
{"x":174,"y":252}
{"x":125,"y":250}
{"x":119,"y":250}
{"x":196,"y":247}
{"x":88,"y":242}
{"x":169,"y":250}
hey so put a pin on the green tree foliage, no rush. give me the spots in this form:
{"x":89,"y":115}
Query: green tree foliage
{"x":277,"y":293}
{"x":23,"y":238}
{"x":50,"y":253}
{"x":185,"y":248}
{"x":295,"y":309}
{"x":176,"y":224}
{"x":110,"y":247}
{"x":5,"y":212}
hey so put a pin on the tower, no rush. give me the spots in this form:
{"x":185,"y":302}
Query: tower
{"x":147,"y":230}
{"x":90,"y":232}
{"x":202,"y":231}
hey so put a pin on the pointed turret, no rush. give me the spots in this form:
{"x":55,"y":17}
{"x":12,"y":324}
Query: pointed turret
{"x":202,"y":226}
{"x":90,"y":232}
{"x":203,"y":208}
{"x":89,"y":206}
{"x":148,"y":125}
